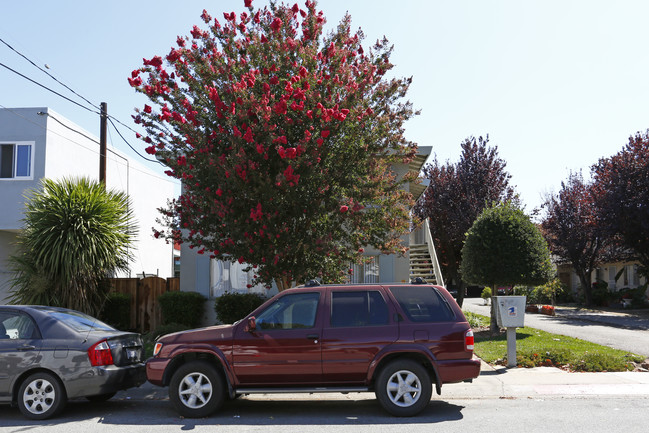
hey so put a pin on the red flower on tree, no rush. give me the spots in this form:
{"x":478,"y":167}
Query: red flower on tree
{"x":268,"y":153}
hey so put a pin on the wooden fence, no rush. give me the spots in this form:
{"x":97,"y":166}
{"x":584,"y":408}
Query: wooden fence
{"x":145,"y":311}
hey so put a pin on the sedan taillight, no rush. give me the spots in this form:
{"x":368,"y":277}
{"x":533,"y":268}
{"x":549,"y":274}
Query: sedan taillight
{"x":468,"y":340}
{"x":100,"y":354}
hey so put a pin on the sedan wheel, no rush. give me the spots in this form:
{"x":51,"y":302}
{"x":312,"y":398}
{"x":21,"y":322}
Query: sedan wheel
{"x":403,"y":388}
{"x":196,"y":389}
{"x":41,"y":396}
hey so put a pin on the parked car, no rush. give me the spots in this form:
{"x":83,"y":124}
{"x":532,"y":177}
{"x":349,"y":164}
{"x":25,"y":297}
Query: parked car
{"x":396,"y":340}
{"x":49,"y":355}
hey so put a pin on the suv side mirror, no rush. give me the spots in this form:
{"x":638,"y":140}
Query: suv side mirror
{"x":252,"y":324}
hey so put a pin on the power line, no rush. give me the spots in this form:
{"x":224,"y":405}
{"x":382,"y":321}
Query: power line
{"x":111,"y":118}
{"x":43,"y":70}
{"x":47,"y":88}
{"x":129,"y":144}
{"x":166,"y":179}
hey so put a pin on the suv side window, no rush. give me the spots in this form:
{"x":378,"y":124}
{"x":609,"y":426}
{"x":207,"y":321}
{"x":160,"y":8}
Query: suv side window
{"x":290,"y":312}
{"x":423,"y":304}
{"x":358,"y":308}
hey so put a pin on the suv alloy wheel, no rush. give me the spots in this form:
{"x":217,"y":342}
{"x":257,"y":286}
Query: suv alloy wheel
{"x":196,"y":389}
{"x":403,"y":388}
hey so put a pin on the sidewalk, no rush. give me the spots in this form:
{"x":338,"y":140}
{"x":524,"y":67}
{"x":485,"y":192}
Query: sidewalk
{"x":502,"y":382}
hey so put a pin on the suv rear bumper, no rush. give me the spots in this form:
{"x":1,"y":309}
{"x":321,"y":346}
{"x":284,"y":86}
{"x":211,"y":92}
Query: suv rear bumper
{"x":458,"y":370}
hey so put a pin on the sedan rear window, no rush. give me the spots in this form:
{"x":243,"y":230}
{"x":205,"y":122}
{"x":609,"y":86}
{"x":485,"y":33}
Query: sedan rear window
{"x":423,"y":304}
{"x":80,"y":322}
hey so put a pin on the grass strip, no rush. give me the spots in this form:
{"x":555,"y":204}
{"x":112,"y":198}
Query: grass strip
{"x":536,"y":348}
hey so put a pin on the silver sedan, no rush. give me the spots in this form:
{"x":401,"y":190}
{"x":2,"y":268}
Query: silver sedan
{"x":49,"y":355}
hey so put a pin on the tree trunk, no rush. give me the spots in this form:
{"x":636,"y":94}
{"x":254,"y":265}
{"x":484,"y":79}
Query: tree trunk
{"x":586,"y":286}
{"x":283,"y":283}
{"x":493,"y":324}
{"x":460,"y":293}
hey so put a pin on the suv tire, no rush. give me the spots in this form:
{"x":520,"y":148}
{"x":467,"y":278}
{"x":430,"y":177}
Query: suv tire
{"x":403,"y":388}
{"x":196,"y":389}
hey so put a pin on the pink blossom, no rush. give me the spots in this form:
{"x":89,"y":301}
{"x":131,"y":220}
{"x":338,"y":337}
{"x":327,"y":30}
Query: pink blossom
{"x":343,"y":209}
{"x":276,"y":24}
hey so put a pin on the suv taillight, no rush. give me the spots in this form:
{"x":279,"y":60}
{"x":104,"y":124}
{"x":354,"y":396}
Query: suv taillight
{"x":100,"y":354}
{"x":468,"y":340}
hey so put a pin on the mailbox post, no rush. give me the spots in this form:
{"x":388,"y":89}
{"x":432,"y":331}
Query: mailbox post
{"x":510,"y":314}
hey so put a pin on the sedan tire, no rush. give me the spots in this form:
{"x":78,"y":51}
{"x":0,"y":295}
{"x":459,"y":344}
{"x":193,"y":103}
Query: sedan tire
{"x":196,"y":389}
{"x":403,"y":388}
{"x":41,"y":396}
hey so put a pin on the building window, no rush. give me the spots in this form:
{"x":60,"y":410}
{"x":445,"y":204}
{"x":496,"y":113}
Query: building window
{"x":16,"y":160}
{"x":367,"y":272}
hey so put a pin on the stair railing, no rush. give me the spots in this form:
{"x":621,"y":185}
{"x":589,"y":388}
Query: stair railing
{"x":433,"y":255}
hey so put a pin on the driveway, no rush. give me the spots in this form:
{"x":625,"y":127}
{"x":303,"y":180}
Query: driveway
{"x":624,"y":331}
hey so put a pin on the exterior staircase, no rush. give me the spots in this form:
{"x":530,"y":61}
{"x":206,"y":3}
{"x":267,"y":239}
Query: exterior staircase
{"x":421,"y":264}
{"x":423,"y":259}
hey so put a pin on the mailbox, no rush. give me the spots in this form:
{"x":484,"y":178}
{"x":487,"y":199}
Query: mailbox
{"x":511,"y":311}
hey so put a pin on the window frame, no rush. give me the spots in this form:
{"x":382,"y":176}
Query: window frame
{"x":368,"y":318}
{"x":282,"y":307}
{"x":15,"y":160}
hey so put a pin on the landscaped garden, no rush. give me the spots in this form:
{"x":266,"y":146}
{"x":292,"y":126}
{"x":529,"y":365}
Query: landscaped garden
{"x":536,"y":348}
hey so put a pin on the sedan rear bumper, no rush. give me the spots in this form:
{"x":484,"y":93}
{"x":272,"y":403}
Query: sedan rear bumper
{"x":105,"y":380}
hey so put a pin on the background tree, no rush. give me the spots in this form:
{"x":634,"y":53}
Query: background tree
{"x":503,"y":247}
{"x":573,"y":229}
{"x":283,"y":138}
{"x":456,"y":195}
{"x":75,"y":235}
{"x":621,"y":185}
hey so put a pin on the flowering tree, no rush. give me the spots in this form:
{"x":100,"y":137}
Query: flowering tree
{"x":283,"y":138}
{"x":573,"y":229}
{"x":456,"y":195}
{"x":621,"y":185}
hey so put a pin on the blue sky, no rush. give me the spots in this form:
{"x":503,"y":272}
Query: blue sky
{"x":556,"y":84}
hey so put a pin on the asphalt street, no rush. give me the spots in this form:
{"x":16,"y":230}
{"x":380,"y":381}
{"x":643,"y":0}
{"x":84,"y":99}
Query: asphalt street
{"x":620,"y":330}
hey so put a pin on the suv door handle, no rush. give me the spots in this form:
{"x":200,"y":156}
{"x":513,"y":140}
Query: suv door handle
{"x":312,"y":336}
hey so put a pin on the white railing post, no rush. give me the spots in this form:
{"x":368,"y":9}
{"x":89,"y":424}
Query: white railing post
{"x":433,"y":254}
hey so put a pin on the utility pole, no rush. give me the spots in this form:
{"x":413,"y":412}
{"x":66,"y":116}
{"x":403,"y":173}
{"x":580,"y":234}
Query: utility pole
{"x":102,"y":142}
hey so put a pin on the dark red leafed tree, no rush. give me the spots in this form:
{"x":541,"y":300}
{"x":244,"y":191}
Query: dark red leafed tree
{"x":283,"y":138}
{"x":621,"y":185}
{"x":573,"y":229}
{"x":457,"y":195}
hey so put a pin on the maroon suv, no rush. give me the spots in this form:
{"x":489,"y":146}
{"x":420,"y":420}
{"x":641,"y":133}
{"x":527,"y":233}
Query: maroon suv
{"x":393,"y":339}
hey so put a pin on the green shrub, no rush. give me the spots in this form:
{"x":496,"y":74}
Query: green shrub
{"x":231,"y":307}
{"x":476,"y":320}
{"x":600,"y":295}
{"x":184,"y":308}
{"x":596,"y":362}
{"x":486,"y":293}
{"x":117,"y":311}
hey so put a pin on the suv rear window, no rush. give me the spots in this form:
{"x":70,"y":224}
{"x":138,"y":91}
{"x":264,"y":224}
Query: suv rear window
{"x":423,"y":303}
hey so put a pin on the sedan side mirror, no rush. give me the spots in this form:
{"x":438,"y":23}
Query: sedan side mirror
{"x":252,"y":324}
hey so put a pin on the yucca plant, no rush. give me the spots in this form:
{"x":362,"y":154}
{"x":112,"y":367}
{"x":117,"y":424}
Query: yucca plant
{"x":75,"y":234}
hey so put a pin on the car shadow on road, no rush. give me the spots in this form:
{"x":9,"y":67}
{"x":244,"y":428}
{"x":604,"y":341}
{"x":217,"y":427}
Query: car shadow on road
{"x":244,"y":412}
